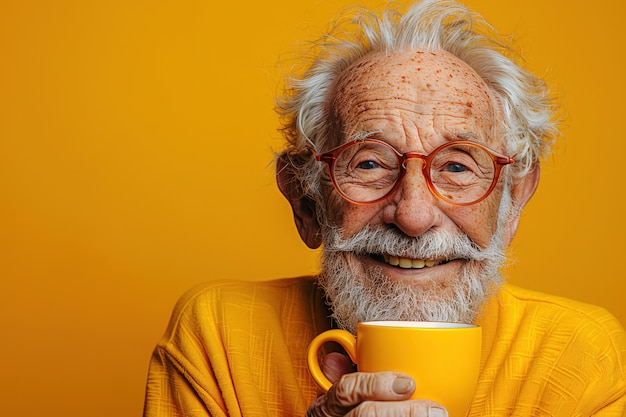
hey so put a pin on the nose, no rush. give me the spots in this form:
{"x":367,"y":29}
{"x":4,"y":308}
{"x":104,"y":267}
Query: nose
{"x":413,"y":208}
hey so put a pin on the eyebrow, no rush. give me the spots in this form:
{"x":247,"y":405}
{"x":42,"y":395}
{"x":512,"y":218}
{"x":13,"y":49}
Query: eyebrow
{"x":469,"y":136}
{"x":362,"y":135}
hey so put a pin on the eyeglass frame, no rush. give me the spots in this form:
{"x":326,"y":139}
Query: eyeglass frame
{"x":499,"y":161}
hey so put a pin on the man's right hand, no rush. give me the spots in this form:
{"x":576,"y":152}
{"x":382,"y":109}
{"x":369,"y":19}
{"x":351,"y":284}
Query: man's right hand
{"x":378,"y":394}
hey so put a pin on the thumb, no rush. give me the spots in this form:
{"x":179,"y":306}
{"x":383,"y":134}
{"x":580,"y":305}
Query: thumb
{"x":335,"y":365}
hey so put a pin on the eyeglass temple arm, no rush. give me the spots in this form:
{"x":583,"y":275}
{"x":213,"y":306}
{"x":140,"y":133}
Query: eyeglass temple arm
{"x":505,"y":160}
{"x":325,"y":157}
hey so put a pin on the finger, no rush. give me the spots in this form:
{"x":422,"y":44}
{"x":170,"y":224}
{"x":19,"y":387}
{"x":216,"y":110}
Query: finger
{"x":319,"y":408}
{"x":335,"y":365}
{"x":413,"y":408}
{"x":358,"y":387}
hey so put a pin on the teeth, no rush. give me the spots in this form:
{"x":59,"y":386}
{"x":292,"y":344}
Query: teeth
{"x":405,"y":263}
{"x":409,"y":263}
{"x":418,"y":263}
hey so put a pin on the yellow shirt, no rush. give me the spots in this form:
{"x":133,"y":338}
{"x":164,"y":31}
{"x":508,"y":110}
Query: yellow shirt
{"x":239,"y":349}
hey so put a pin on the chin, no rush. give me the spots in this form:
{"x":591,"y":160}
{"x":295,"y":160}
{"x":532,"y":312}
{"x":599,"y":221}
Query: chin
{"x":364,"y":289}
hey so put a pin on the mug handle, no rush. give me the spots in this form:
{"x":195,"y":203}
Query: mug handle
{"x":344,"y":338}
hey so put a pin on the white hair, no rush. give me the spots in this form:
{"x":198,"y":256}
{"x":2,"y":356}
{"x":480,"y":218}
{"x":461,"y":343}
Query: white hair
{"x":308,"y":119}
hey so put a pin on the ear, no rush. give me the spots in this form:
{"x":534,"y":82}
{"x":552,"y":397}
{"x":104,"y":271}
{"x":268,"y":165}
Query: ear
{"x":522,"y":191}
{"x":304,"y":211}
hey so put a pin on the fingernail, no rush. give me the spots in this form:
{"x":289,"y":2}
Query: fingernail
{"x":437,"y":412}
{"x":403,"y":385}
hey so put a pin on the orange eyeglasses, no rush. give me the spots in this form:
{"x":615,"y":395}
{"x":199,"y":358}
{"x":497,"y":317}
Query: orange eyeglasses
{"x":459,"y":172}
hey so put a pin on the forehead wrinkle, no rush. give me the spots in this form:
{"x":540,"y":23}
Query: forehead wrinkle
{"x":360,"y":104}
{"x":353,"y":108}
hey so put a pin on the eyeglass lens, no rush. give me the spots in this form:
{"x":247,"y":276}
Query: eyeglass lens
{"x":367,"y":171}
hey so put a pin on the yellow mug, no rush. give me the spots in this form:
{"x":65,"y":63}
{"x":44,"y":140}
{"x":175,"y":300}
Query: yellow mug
{"x":442,"y":358}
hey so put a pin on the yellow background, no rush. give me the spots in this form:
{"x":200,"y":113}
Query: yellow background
{"x":135,"y":138}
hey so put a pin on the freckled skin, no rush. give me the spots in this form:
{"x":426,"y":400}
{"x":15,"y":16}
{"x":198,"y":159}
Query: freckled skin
{"x":418,"y":101}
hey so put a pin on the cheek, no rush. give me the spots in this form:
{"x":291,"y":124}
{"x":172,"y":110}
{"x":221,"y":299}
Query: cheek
{"x":479,"y":221}
{"x":351,"y":218}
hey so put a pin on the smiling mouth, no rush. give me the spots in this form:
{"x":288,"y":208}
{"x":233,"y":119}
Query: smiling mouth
{"x":409,"y":263}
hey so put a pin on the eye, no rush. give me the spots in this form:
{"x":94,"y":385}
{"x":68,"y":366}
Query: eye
{"x":368,"y":165}
{"x":455,"y":167}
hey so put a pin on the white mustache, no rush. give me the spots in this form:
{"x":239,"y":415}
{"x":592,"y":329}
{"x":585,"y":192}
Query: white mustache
{"x":433,"y":244}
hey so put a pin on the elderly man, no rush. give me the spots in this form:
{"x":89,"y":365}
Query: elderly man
{"x":413,"y":145}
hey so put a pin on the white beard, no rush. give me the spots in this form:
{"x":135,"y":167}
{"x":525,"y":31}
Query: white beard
{"x":356,"y":293}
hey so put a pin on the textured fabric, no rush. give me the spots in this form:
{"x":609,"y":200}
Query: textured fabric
{"x":238,"y":349}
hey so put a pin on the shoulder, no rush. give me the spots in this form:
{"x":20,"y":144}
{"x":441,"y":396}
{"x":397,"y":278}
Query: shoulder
{"x":533,"y":305}
{"x":220,"y":302}
{"x":564,"y":328}
{"x":240,"y":291}
{"x":548,"y":346}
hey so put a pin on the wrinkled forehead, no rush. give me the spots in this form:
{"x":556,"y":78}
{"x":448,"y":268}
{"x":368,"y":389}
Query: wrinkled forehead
{"x":438,"y":79}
